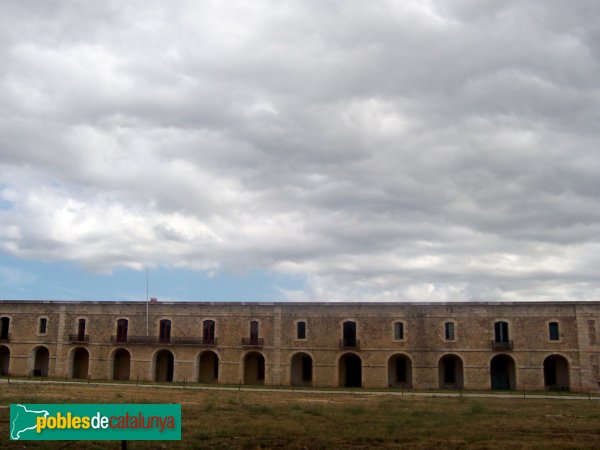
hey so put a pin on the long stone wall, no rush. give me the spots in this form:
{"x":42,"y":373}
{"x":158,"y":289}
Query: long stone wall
{"x":524,"y":346}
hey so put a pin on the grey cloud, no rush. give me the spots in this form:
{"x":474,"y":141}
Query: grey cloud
{"x":421,"y":150}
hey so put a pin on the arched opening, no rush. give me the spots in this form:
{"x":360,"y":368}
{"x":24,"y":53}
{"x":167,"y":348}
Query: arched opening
{"x":4,"y":360}
{"x":81,"y":362}
{"x":208,"y":367}
{"x":450,"y":372}
{"x":41,"y":361}
{"x":164,"y":363}
{"x":350,"y":370}
{"x":121,"y":364}
{"x":254,"y":368}
{"x":502,"y":372}
{"x":302,"y":368}
{"x":400,"y":371}
{"x":556,"y":372}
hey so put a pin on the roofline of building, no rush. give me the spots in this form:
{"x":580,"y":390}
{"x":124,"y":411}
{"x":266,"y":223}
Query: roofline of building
{"x":309,"y":303}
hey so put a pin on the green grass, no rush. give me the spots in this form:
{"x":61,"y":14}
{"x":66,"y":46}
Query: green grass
{"x":297,"y":420}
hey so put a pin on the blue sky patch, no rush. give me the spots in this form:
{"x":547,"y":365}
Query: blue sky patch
{"x":59,"y":280}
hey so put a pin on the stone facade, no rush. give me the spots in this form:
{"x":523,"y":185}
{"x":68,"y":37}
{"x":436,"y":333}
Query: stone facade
{"x":524,"y":346}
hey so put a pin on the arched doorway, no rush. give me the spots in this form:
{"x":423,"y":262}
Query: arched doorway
{"x":164,"y":364}
{"x":556,"y":372}
{"x":81,"y":362}
{"x":400,"y":371}
{"x":350,"y":370}
{"x":121,"y":364}
{"x":450,"y":372}
{"x":4,"y":359}
{"x":41,"y":361}
{"x":502,"y":373}
{"x":254,"y":368}
{"x":301,"y":370}
{"x":208,"y":367}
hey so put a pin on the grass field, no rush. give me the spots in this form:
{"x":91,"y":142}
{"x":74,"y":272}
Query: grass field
{"x":301,"y":420}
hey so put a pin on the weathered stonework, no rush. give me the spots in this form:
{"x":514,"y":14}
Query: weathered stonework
{"x":478,"y":353}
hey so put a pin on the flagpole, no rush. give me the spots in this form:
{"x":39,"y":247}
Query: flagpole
{"x":147,"y":334}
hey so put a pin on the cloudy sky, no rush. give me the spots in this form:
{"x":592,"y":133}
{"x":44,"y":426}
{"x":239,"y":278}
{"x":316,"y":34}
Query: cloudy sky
{"x":300,"y":150}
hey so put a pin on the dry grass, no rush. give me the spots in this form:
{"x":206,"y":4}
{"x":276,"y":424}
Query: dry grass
{"x":299,"y":420}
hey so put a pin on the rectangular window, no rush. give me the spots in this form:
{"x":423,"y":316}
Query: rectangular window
{"x":501,"y":332}
{"x":208,"y":331}
{"x":42,"y":325}
{"x":254,"y":330}
{"x":553,"y":331}
{"x":81,"y":330}
{"x":349,"y":334}
{"x":122,"y":325}
{"x":4,"y":325}
{"x":164,"y":330}
{"x":301,"y":330}
{"x":449,"y":331}
{"x":398,"y":331}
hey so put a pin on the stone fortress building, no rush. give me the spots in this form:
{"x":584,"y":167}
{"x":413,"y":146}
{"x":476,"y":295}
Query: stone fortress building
{"x":479,"y":346}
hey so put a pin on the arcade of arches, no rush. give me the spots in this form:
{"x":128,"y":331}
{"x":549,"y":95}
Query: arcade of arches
{"x":502,"y":368}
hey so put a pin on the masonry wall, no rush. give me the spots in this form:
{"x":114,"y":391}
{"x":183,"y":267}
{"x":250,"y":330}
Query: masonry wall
{"x":478,"y":362}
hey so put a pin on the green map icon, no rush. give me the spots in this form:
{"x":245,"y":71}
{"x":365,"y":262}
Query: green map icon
{"x":23,"y":420}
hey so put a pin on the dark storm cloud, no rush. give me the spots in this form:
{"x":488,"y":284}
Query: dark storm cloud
{"x":386,"y":150}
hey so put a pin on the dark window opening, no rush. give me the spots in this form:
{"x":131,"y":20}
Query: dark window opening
{"x":122,"y":325}
{"x":4,"y":324}
{"x":553,"y":331}
{"x":42,"y":325}
{"x":449,"y":331}
{"x":165,"y":330}
{"x":349,"y":331}
{"x":398,"y":331}
{"x":254,"y":330}
{"x":301,"y":330}
{"x":208,"y":331}
{"x":81,"y":330}
{"x":501,"y":332}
